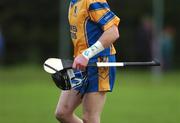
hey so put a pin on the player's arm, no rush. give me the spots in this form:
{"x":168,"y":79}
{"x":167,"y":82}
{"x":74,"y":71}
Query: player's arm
{"x":109,"y":36}
{"x":106,"y":40}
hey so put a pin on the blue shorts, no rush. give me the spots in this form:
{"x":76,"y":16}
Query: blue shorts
{"x":99,"y":79}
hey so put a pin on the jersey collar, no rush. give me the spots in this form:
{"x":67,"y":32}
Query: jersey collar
{"x":74,"y":1}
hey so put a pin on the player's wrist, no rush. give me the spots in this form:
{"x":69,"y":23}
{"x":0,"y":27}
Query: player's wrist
{"x":93,"y":50}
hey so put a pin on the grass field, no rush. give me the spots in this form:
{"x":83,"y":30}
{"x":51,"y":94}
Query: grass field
{"x":27,"y":95}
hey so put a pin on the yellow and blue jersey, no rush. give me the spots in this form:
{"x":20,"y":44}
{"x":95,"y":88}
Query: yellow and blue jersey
{"x":88,"y":20}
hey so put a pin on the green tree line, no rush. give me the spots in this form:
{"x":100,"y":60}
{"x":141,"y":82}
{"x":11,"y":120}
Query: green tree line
{"x":31,"y":28}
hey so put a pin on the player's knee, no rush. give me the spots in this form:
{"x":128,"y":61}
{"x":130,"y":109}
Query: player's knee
{"x":91,"y":118}
{"x":62,"y":115}
{"x":59,"y":115}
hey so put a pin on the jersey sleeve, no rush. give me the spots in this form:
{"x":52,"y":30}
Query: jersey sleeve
{"x":100,"y":13}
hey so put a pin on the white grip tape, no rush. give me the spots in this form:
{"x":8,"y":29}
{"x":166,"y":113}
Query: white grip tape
{"x":93,"y":50}
{"x":110,"y":64}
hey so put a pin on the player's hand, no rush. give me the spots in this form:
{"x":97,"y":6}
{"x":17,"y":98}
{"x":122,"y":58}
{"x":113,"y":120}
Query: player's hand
{"x":80,"y":63}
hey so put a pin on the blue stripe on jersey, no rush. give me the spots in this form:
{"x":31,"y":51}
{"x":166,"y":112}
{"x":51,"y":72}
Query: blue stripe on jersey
{"x":74,"y":1}
{"x":98,"y":6}
{"x":106,"y":18}
{"x":93,"y":33}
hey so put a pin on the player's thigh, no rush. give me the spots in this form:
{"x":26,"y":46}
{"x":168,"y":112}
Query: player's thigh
{"x":93,"y":103}
{"x":68,"y":101}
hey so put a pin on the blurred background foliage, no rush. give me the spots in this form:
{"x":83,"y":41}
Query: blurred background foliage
{"x":31,"y":29}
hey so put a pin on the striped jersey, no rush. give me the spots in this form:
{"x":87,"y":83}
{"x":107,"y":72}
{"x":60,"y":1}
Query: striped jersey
{"x":88,"y":20}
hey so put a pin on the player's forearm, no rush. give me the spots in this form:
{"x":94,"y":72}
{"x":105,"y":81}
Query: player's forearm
{"x":105,"y":41}
{"x":109,"y":36}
